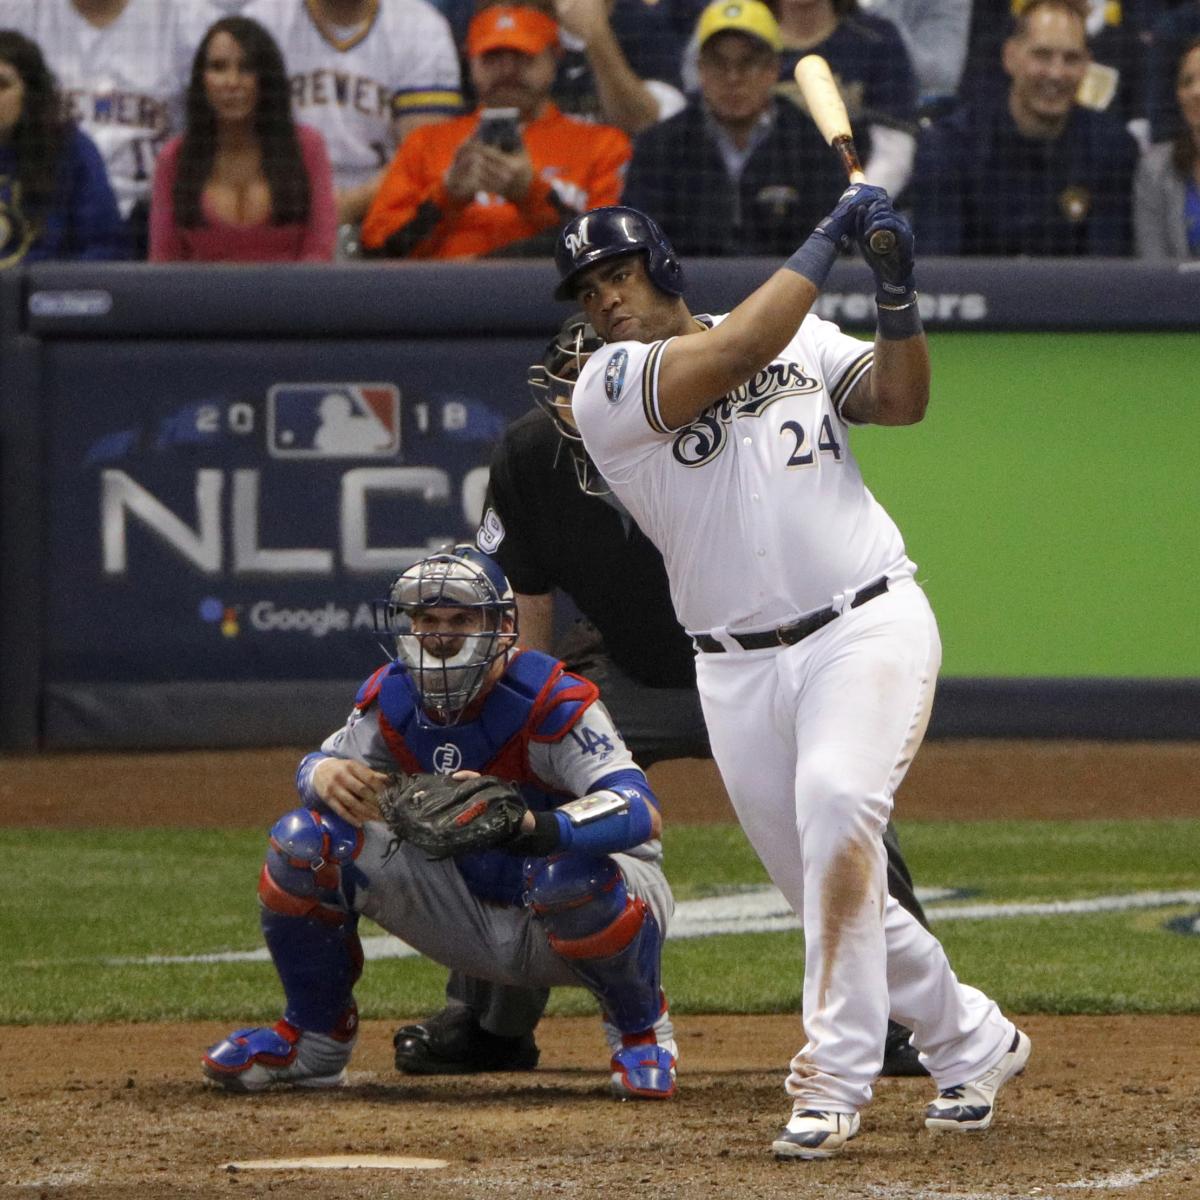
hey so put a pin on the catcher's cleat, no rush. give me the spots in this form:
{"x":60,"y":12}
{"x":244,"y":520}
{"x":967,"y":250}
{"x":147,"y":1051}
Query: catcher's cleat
{"x":254,"y":1059}
{"x":643,"y":1070}
{"x":644,"y":1063}
{"x":899,"y":1054}
{"x":453,"y":1043}
{"x":812,"y":1133}
{"x":969,"y":1107}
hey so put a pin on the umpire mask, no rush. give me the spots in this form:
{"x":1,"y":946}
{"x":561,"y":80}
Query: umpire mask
{"x":552,"y":382}
{"x":452,"y":616}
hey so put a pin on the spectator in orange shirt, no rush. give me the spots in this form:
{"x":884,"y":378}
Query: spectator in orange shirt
{"x":468,"y":187}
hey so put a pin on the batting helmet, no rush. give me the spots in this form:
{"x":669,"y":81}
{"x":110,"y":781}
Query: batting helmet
{"x":608,"y":233}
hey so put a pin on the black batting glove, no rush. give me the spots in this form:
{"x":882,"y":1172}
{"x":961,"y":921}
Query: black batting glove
{"x":893,"y":271}
{"x":844,"y":222}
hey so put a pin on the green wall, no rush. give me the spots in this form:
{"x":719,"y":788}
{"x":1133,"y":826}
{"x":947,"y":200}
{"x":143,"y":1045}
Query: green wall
{"x":1051,"y":500}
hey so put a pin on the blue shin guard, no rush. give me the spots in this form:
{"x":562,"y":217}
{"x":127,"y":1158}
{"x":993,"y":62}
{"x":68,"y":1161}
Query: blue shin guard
{"x":307,"y":890}
{"x":609,"y":937}
{"x":614,"y":945}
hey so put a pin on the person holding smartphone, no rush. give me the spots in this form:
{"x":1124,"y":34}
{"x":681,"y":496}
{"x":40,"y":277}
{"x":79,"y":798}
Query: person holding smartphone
{"x":506,"y":177}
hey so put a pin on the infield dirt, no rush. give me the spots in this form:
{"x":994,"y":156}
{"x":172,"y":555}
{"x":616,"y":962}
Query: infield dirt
{"x":1108,"y":1107}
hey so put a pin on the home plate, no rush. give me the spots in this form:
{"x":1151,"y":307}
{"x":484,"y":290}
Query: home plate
{"x":339,"y":1162}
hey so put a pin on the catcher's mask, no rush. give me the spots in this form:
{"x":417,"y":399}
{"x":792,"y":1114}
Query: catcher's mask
{"x":450,"y":664}
{"x":552,"y":382}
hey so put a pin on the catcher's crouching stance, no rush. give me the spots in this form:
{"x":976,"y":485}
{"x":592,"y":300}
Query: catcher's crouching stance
{"x":518,"y":841}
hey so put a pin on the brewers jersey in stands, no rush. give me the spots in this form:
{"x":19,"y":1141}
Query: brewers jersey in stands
{"x":758,"y":506}
{"x":124,"y":83}
{"x":350,"y":83}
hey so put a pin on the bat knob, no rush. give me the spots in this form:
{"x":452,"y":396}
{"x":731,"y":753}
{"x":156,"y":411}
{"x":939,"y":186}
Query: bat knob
{"x":882,"y":241}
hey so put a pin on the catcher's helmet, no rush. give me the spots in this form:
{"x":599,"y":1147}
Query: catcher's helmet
{"x":552,"y":382}
{"x":450,"y":667}
{"x":608,"y":232}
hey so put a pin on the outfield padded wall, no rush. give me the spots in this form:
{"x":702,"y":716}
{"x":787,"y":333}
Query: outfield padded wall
{"x":167,"y":504}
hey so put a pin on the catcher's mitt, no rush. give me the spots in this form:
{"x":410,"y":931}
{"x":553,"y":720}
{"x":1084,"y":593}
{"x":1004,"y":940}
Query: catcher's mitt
{"x":445,"y":816}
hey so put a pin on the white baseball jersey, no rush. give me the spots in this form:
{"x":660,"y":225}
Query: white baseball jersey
{"x":758,"y":506}
{"x":350,"y":85}
{"x":124,"y":83}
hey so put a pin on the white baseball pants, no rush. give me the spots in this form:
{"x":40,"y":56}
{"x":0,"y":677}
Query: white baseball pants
{"x":812,"y":741}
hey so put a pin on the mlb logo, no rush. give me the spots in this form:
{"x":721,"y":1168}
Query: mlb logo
{"x":333,"y":420}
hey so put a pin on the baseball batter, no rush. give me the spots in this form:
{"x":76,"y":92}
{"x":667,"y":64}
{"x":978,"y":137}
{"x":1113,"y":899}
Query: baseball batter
{"x":573,"y":895}
{"x":727,"y":439}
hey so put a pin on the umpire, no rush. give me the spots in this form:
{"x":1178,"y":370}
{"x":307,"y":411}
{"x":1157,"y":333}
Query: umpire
{"x":552,"y":524}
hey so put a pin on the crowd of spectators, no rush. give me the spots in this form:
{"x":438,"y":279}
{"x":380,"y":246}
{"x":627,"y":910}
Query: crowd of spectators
{"x":277,"y":130}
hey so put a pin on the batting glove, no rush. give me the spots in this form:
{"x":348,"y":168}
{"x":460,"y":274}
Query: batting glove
{"x":845,"y":221}
{"x":814,"y":260}
{"x":894,"y":270}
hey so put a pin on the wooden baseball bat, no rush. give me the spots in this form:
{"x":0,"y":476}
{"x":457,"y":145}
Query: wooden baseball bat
{"x":827,"y":110}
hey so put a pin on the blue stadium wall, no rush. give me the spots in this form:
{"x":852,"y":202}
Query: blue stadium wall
{"x":189,"y":540}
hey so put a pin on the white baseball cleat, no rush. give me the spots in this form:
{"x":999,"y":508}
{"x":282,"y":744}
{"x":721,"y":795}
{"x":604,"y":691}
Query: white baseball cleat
{"x":812,"y":1133}
{"x":969,"y":1107}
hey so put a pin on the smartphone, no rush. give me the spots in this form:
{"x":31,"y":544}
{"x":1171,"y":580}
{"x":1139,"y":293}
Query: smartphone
{"x":500,"y":127}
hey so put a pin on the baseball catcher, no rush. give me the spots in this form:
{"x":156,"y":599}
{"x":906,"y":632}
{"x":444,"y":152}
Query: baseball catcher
{"x":479,"y":804}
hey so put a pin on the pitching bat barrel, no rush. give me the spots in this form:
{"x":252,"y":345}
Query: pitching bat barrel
{"x":828,"y":112}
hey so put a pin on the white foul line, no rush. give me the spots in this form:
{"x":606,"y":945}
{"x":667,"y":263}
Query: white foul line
{"x":758,"y":910}
{"x":1116,"y":1181}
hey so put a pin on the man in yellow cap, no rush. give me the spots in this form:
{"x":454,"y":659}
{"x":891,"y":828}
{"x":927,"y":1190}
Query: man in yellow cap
{"x":506,"y":175}
{"x":739,"y":171}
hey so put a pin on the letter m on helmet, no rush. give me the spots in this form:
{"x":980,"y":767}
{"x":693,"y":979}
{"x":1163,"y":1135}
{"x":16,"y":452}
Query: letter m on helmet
{"x":578,"y":239}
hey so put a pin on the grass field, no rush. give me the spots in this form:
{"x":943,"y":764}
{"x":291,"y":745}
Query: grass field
{"x":76,"y":901}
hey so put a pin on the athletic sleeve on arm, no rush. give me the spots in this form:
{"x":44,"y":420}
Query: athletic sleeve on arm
{"x":616,"y":406}
{"x":592,"y":761}
{"x":843,"y":360}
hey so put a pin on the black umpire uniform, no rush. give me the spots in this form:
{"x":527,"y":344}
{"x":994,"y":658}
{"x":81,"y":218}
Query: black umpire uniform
{"x":548,"y":534}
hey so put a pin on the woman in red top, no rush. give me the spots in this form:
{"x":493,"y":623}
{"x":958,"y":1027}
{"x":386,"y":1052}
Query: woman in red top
{"x":244,"y":183}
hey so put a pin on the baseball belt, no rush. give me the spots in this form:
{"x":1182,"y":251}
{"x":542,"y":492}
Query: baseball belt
{"x":795,"y":631}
